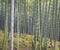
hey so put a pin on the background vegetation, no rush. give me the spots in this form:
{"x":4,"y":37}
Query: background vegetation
{"x":36,"y":24}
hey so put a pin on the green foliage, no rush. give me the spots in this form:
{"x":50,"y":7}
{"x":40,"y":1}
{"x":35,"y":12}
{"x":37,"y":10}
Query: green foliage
{"x":26,"y":40}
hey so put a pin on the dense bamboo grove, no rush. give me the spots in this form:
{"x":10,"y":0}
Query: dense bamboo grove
{"x":29,"y":24}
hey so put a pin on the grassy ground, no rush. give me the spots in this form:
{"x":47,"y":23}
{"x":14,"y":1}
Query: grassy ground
{"x":26,"y":42}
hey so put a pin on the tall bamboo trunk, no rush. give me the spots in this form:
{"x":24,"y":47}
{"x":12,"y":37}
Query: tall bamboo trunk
{"x":12,"y":24}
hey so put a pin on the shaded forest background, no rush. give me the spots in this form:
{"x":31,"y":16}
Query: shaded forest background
{"x":32,"y":17}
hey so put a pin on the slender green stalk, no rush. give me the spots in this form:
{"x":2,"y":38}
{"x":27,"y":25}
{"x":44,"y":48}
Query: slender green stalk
{"x":45,"y":29}
{"x":40,"y":24}
{"x":42,"y":21}
{"x":18,"y":28}
{"x":25,"y":16}
{"x":6,"y":27}
{"x":59,"y":26}
{"x":55,"y":2}
{"x":34,"y":26}
{"x":0,"y":7}
{"x":49,"y":23}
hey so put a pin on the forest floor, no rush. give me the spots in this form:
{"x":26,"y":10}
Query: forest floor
{"x":25,"y":42}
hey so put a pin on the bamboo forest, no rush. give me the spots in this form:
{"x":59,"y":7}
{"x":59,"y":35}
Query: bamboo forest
{"x":29,"y":24}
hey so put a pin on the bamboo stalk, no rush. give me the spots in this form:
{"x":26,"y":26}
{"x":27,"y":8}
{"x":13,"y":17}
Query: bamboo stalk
{"x":6,"y":27}
{"x":12,"y":24}
{"x":55,"y":2}
{"x":18,"y":28}
{"x":45,"y":29}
